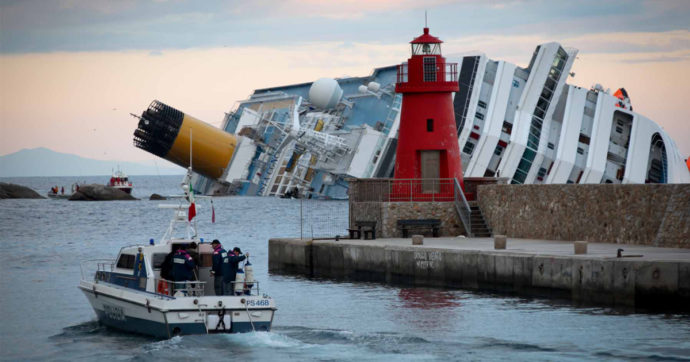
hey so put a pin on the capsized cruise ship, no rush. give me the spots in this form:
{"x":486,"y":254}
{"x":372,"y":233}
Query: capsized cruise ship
{"x":524,"y":124}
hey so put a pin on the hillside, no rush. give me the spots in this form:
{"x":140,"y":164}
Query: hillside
{"x":44,"y":162}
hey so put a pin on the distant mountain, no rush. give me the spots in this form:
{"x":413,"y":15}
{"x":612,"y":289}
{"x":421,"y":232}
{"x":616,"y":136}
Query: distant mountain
{"x":44,"y":162}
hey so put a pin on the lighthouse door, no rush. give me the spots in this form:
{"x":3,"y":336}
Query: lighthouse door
{"x":430,"y":162}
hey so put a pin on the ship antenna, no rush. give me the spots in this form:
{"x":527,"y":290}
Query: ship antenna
{"x":425,"y":23}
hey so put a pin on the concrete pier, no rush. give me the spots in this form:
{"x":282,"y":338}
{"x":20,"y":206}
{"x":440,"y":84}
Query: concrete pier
{"x":644,"y":276}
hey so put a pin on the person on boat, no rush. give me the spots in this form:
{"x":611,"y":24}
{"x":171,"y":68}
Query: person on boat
{"x":192,"y":250}
{"x":63,"y":190}
{"x":167,"y":266}
{"x":183,"y":267}
{"x":230,"y":270}
{"x":219,"y":254}
{"x":164,"y":286}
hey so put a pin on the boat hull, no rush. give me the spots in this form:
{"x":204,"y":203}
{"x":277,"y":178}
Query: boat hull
{"x":165,"y":317}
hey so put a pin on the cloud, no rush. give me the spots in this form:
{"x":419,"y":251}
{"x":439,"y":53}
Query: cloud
{"x":343,"y":9}
{"x":659,"y":59}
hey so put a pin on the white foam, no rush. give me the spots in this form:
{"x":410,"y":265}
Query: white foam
{"x":168,"y":344}
{"x":267,"y":339}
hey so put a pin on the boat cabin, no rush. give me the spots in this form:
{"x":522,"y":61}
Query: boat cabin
{"x":139,"y":267}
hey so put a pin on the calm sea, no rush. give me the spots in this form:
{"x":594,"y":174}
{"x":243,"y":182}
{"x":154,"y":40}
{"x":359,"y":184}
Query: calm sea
{"x":44,"y":315}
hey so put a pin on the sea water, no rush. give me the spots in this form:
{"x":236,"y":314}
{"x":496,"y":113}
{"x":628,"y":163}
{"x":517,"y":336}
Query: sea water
{"x":45,"y":316}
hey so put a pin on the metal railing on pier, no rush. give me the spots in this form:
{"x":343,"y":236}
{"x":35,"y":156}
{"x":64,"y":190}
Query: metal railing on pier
{"x":404,"y":190}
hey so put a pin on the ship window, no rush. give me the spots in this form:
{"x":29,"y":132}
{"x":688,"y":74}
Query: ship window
{"x":507,"y":127}
{"x":498,"y":150}
{"x":126,"y":261}
{"x":481,"y":104}
{"x":580,"y":150}
{"x":584,"y":139}
{"x":619,"y":129}
{"x":469,"y":147}
{"x":479,"y":115}
{"x":550,"y":145}
{"x":429,"y":125}
{"x":158,"y":259}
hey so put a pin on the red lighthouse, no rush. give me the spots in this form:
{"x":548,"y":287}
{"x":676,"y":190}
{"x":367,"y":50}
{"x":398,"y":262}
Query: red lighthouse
{"x":427,"y":139}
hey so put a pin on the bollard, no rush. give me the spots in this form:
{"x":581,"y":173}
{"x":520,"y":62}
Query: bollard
{"x":417,"y":239}
{"x":580,"y":247}
{"x":500,"y":242}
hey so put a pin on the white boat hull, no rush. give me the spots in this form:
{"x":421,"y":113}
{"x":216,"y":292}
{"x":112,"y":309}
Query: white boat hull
{"x":164,"y":317}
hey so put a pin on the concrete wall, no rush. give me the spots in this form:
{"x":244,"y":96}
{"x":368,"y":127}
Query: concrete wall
{"x":657,"y":215}
{"x":612,"y":281}
{"x":387,"y":214}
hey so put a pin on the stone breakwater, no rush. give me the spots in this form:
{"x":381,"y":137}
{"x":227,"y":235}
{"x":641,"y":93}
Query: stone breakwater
{"x":660,"y":279}
{"x":652,"y":214}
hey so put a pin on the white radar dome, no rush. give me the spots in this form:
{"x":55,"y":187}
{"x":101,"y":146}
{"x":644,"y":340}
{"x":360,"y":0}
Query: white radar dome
{"x":362,"y":89}
{"x":325,"y":93}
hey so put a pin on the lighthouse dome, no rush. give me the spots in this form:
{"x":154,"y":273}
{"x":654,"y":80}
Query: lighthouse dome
{"x":325,"y":93}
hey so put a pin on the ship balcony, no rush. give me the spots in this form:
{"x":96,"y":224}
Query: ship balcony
{"x":437,"y":78}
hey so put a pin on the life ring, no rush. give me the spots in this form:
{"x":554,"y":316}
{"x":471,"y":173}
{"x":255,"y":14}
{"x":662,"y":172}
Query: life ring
{"x":163,"y":287}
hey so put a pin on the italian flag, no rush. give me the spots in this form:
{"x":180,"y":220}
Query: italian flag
{"x":192,"y":208}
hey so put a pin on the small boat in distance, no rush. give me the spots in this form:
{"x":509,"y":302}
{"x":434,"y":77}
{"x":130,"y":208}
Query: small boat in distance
{"x":120,"y":181}
{"x":129,"y":293}
{"x":58,"y":193}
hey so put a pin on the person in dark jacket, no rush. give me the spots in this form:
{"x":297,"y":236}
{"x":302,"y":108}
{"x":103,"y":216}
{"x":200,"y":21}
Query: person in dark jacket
{"x":166,"y":267}
{"x":217,"y":269}
{"x":183,"y":267}
{"x":230,"y":270}
{"x":193,"y":251}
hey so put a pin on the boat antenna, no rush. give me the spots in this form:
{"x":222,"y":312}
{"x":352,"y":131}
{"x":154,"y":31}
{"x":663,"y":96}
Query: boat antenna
{"x":425,"y":23}
{"x":190,"y":148}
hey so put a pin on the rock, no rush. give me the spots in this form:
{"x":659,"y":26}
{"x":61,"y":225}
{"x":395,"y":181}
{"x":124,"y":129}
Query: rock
{"x":96,"y":192}
{"x":157,"y":197}
{"x":13,"y":191}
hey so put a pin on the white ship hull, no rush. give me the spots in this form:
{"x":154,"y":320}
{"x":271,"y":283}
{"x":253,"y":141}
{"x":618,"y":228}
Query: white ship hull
{"x":164,"y":317}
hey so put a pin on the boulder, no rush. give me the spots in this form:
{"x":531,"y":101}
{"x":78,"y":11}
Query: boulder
{"x":14,"y":191}
{"x":96,"y":192}
{"x":157,"y":197}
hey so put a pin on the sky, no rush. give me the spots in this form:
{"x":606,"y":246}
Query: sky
{"x":71,"y":71}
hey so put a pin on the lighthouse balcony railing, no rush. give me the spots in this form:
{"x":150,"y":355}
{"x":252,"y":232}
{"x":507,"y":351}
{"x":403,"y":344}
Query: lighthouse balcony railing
{"x":446,"y":74}
{"x":404,"y":190}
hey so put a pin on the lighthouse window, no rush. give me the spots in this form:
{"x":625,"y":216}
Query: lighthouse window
{"x":429,"y":69}
{"x":429,"y":125}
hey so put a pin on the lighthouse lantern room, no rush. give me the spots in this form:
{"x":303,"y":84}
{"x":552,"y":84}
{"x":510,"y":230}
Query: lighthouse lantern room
{"x":427,"y":139}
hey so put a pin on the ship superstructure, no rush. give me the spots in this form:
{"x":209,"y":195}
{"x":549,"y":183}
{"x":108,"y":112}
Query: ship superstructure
{"x":525,"y":124}
{"x":529,"y":125}
{"x":305,"y":140}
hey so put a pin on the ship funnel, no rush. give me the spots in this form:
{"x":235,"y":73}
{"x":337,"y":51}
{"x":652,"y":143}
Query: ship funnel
{"x":165,"y":132}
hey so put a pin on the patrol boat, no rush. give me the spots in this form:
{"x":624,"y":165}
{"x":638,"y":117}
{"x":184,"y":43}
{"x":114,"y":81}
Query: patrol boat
{"x":129,"y":294}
